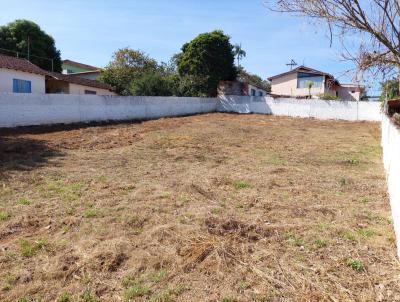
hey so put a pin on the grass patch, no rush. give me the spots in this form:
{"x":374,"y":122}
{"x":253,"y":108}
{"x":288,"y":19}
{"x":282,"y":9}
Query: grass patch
{"x":4,"y":216}
{"x":158,"y":276}
{"x":9,"y":282}
{"x":87,"y":296}
{"x":91,"y":213}
{"x":348,"y":235}
{"x":352,"y":161}
{"x":320,"y":243}
{"x":294,"y":239}
{"x":355,"y":264}
{"x":29,"y":249}
{"x":65,"y":297}
{"x":24,"y":202}
{"x":135,"y":291}
{"x":365,"y":233}
{"x":239,"y":185}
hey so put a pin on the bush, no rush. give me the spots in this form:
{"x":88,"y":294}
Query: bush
{"x":328,"y":97}
{"x":153,"y":84}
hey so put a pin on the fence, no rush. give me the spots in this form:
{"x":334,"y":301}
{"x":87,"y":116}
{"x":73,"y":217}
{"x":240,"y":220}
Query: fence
{"x":391,"y":161}
{"x":37,"y":109}
{"x":366,"y":111}
{"x":31,"y":109}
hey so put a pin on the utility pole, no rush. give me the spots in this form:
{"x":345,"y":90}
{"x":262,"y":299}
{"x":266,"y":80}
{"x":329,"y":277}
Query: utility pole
{"x":29,"y":49}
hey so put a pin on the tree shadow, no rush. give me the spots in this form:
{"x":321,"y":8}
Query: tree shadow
{"x":24,"y":154}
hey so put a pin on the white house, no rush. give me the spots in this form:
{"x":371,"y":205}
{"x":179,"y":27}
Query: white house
{"x":21,"y":76}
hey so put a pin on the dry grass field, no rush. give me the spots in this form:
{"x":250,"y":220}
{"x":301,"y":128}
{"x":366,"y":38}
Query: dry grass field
{"x":212,"y":207}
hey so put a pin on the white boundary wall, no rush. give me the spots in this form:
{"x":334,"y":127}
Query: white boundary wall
{"x":39,"y":109}
{"x":320,"y":109}
{"x":391,"y":161}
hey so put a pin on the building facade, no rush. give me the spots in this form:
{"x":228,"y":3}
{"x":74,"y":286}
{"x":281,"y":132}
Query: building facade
{"x":304,"y":81}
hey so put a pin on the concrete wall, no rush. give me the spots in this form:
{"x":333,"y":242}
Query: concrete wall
{"x":80,"y":89}
{"x":349,"y":93}
{"x":391,"y":160}
{"x":7,"y":76}
{"x":38,"y":109}
{"x":320,"y":109}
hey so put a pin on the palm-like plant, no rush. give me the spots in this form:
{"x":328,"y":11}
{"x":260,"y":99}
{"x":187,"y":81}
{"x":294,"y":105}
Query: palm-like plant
{"x":309,"y":85}
{"x":239,"y":53}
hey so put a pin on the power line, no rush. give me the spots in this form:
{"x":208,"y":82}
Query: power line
{"x":28,"y":55}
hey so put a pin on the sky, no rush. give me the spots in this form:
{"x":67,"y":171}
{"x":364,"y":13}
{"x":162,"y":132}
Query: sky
{"x":89,"y":31}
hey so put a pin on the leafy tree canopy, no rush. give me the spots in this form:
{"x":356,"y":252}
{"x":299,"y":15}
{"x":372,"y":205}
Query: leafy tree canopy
{"x":390,"y":89}
{"x":153,"y":84}
{"x":126,"y":66}
{"x":15,"y":36}
{"x":209,"y":57}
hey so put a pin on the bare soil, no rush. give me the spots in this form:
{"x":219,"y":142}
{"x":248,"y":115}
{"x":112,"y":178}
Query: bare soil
{"x":212,"y":207}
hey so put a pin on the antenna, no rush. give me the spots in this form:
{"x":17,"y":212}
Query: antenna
{"x":292,"y":64}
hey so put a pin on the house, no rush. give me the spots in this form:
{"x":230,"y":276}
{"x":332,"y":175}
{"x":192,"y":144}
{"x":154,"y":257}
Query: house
{"x":68,"y":84}
{"x":240,"y":88}
{"x":80,"y":70}
{"x":21,"y":76}
{"x":295,"y":83}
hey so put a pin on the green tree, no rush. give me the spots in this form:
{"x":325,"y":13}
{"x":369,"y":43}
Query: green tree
{"x":153,"y":84}
{"x":390,"y":89}
{"x":255,"y":80}
{"x":15,"y":37}
{"x":208,"y":57}
{"x":126,"y":66}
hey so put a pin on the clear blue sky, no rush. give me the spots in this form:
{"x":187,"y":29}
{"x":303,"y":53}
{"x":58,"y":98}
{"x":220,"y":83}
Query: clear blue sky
{"x":90,"y":31}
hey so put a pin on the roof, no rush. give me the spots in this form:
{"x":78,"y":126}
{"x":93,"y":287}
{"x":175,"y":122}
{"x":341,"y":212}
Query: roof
{"x":80,"y":81}
{"x":21,"y":65}
{"x":84,"y":72}
{"x":80,"y":65}
{"x":302,"y":69}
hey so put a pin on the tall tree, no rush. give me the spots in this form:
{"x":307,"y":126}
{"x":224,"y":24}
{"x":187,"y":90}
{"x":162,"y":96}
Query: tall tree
{"x":239,"y":53}
{"x":209,"y":57}
{"x":374,"y":23}
{"x":126,"y":66}
{"x":20,"y":35}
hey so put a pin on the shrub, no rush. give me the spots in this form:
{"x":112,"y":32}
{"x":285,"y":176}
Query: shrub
{"x":328,"y":97}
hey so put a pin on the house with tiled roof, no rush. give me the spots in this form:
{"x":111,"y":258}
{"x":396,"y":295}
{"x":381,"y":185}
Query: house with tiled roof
{"x":21,"y":76}
{"x":297,"y":82}
{"x":80,"y":70}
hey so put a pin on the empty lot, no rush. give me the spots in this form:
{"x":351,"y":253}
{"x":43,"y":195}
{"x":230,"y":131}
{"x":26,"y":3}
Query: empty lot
{"x":212,"y":207}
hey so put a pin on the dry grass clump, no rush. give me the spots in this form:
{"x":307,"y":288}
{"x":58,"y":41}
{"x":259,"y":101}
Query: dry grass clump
{"x":213,"y":207}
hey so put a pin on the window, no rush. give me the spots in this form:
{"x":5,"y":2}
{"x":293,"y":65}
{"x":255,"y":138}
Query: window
{"x":260,"y":93}
{"x":304,"y":78}
{"x":90,"y":92}
{"x":22,"y":86}
{"x":252,"y":92}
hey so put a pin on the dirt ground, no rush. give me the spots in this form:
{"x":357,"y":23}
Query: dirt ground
{"x":213,"y":207}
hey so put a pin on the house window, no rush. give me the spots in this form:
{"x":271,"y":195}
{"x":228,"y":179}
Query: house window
{"x":304,"y":78}
{"x":260,"y":93}
{"x":90,"y":92}
{"x":22,"y":86}
{"x":252,"y":92}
